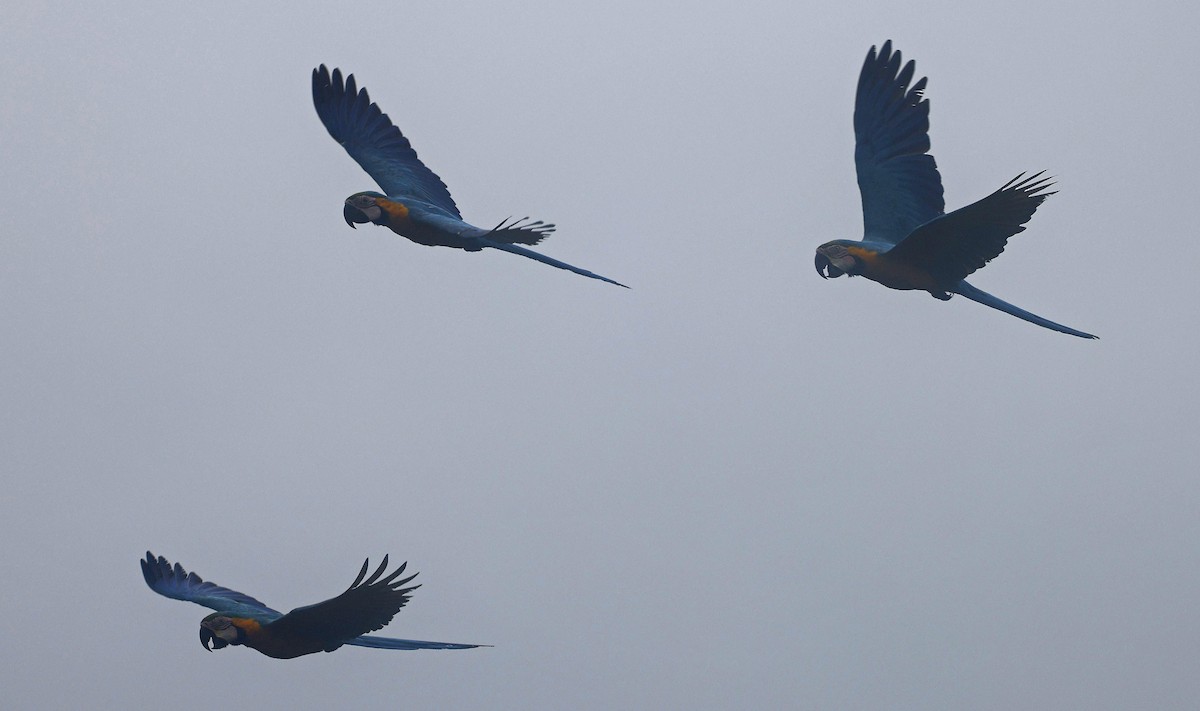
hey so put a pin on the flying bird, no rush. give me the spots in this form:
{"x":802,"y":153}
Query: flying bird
{"x":909,"y":241}
{"x":367,"y":605}
{"x":415,"y":203}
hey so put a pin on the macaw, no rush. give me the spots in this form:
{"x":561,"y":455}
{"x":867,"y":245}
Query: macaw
{"x":367,"y":605}
{"x":909,"y":241}
{"x":417,"y":204}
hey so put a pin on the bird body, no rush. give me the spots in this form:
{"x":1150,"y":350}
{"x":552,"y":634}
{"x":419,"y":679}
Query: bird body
{"x":877,"y":263}
{"x":268,"y":639}
{"x":250,"y":632}
{"x":240,"y":620}
{"x":910,"y":242}
{"x":415,"y":203}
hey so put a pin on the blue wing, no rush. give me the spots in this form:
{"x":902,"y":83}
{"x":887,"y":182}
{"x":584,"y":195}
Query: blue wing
{"x":899,"y":181}
{"x":175,"y":582}
{"x":367,"y":605}
{"x":393,"y":643}
{"x":374,"y":141}
{"x":954,"y":245}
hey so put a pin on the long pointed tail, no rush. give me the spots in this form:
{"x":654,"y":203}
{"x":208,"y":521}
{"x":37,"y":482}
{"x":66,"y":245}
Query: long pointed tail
{"x":367,"y":640}
{"x":546,"y":260}
{"x":988,"y":300}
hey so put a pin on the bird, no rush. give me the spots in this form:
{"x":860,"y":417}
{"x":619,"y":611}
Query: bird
{"x":909,"y":241}
{"x":240,"y":620}
{"x":415,"y":203}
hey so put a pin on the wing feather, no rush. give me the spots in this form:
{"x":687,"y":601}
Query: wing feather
{"x":899,"y":181}
{"x":956,"y":244}
{"x":176,"y":583}
{"x":371,"y":138}
{"x":367,"y":605}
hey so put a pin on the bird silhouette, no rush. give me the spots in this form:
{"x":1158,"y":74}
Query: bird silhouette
{"x":367,"y":605}
{"x":415,"y":202}
{"x":909,"y":241}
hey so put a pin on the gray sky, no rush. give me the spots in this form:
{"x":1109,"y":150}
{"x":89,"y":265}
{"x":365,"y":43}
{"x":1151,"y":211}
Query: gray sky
{"x":734,"y":485}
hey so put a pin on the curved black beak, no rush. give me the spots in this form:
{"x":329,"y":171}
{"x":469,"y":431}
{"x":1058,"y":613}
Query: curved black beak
{"x":206,"y":636}
{"x":353,"y":215}
{"x":825,"y":267}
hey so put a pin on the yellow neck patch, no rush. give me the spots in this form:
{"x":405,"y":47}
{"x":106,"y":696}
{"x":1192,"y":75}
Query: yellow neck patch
{"x":397,"y":211}
{"x":866,"y":255}
{"x":250,"y":626}
{"x":890,"y":272}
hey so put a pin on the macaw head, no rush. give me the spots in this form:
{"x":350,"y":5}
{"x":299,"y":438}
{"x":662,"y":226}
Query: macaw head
{"x":362,"y":208}
{"x":220,"y":631}
{"x":834,"y":260}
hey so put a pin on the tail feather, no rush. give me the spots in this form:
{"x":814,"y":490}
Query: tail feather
{"x":522,"y":231}
{"x":987,"y":299}
{"x":512,"y":248}
{"x":394,"y":643}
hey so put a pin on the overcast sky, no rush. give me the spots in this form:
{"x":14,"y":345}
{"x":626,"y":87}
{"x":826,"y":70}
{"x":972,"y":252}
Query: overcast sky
{"x":733,"y":486}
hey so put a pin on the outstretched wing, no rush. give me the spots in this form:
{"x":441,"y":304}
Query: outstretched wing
{"x":956,"y":244}
{"x":175,"y":582}
{"x":899,"y":181}
{"x":367,"y":605}
{"x":370,"y":138}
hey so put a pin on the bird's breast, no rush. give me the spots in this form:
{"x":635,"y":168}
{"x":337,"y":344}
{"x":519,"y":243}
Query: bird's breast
{"x":399,"y":219}
{"x":891,"y":272}
{"x":273,"y":643}
{"x":434,"y":233}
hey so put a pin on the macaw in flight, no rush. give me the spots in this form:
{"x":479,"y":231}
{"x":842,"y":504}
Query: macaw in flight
{"x":909,"y":241}
{"x":417,"y":204}
{"x":367,"y":605}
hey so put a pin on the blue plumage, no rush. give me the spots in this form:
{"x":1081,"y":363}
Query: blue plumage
{"x":909,"y":241}
{"x":898,"y":179}
{"x":178,"y":584}
{"x":415,"y":202}
{"x":371,"y":139}
{"x":367,"y":605}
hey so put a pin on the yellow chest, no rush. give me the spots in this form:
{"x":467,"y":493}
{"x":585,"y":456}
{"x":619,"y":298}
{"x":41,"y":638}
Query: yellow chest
{"x":250,"y":627}
{"x":397,"y":213}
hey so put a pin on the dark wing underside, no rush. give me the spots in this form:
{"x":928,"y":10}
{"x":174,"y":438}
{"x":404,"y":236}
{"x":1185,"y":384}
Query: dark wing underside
{"x":899,"y":181}
{"x":956,"y":244}
{"x":370,"y":138}
{"x":367,"y":605}
{"x":175,"y":582}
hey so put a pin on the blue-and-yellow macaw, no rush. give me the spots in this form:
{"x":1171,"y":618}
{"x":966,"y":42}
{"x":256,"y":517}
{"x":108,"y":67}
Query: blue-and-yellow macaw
{"x":367,"y":605}
{"x":909,"y":242}
{"x":417,"y":204}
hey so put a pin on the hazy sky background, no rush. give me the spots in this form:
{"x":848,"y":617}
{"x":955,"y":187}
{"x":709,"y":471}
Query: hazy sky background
{"x":734,"y":485}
